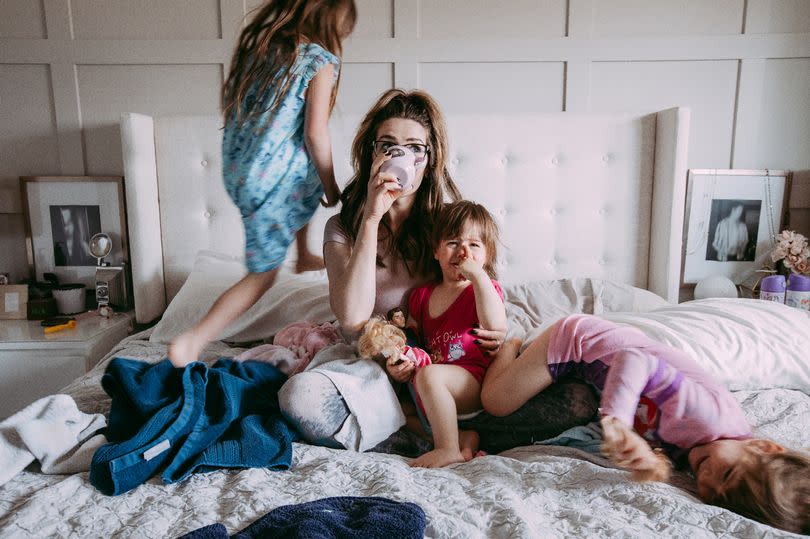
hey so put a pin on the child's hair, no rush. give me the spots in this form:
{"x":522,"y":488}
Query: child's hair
{"x":268,"y":47}
{"x":379,"y":337}
{"x":455,"y":215}
{"x":412,"y":239}
{"x":775,"y":489}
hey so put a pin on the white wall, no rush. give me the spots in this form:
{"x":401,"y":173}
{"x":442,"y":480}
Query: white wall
{"x":68,"y":68}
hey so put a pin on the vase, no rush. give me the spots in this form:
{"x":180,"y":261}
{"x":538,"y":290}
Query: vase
{"x":781,"y":269}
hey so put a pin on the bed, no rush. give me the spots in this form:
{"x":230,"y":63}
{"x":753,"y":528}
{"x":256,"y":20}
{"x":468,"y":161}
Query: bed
{"x":591,"y":208}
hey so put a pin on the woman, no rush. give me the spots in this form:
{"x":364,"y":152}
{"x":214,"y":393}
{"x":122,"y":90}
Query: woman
{"x":382,"y":236}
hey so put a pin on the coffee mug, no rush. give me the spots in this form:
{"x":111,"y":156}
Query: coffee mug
{"x":402,"y":165}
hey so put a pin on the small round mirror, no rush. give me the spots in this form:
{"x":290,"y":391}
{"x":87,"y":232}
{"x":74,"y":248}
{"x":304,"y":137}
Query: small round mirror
{"x":100,"y":246}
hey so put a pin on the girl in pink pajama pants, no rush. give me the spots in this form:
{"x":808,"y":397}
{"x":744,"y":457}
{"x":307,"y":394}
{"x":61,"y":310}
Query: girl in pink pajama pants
{"x":659,"y":390}
{"x":654,"y":394}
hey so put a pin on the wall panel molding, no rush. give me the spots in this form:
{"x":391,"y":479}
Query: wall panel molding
{"x":401,"y":43}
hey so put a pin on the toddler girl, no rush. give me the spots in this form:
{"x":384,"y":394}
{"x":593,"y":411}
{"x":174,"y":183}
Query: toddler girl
{"x":443,"y":315}
{"x":652,"y":393}
{"x":276,"y":150}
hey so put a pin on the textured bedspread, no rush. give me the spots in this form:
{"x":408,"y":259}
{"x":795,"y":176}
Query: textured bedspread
{"x":536,"y":491}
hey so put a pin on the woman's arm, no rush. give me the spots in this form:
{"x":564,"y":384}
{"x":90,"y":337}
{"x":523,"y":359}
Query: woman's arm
{"x":352,"y":277}
{"x":316,"y":130}
{"x":352,"y":270}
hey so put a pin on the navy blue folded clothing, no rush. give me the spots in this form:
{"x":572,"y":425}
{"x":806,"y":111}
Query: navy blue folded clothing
{"x":190,"y":420}
{"x":341,"y":517}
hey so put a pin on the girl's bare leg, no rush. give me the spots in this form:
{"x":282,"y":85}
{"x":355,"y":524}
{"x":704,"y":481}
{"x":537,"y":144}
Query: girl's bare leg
{"x":228,"y":307}
{"x":512,"y":380}
{"x":306,"y":260}
{"x":445,"y":389}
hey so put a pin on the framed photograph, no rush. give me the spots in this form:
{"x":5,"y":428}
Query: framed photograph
{"x":62,"y":213}
{"x":732,"y":218}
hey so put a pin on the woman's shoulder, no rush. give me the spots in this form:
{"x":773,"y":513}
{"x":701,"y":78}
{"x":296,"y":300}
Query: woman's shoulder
{"x":334,"y":231}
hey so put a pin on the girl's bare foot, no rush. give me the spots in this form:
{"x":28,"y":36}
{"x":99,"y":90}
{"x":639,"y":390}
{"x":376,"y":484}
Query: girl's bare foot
{"x":625,"y":448}
{"x":308,"y":262}
{"x":185,"y":349}
{"x":438,"y":458}
{"x":468,"y":441}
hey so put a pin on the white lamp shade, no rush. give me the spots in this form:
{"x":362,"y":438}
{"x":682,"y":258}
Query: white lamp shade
{"x":715,"y":286}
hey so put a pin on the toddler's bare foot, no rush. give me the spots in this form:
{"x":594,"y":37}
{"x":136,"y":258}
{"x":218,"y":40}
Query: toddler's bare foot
{"x":624,"y":447}
{"x":185,"y":349}
{"x":438,"y":458}
{"x":308,"y":262}
{"x":468,"y":441}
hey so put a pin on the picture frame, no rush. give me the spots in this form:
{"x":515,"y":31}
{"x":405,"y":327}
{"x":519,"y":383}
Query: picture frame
{"x":62,"y":213}
{"x":732,"y":219}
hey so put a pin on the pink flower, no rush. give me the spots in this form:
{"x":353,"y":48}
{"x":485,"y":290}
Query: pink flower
{"x":802,"y":266}
{"x":792,"y":248}
{"x":791,"y":260}
{"x":778,"y":253}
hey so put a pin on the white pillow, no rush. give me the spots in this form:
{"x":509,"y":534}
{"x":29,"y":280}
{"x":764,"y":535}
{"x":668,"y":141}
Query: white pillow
{"x":532,"y":306}
{"x":744,"y":343}
{"x":292,"y":298}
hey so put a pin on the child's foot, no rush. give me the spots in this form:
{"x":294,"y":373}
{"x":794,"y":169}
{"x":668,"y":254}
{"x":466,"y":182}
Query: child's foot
{"x":308,"y":262}
{"x":185,"y":349}
{"x":625,"y":448}
{"x":468,"y":441}
{"x":438,"y":458}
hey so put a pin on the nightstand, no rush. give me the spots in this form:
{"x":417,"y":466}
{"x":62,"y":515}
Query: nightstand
{"x":34,"y":364}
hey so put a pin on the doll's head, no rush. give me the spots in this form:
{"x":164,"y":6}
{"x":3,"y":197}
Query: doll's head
{"x":380,"y":338}
{"x":397,"y":317}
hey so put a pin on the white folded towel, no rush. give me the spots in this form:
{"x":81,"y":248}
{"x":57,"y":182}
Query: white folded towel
{"x":53,"y":431}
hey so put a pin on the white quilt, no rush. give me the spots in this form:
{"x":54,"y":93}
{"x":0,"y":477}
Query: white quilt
{"x":536,"y":491}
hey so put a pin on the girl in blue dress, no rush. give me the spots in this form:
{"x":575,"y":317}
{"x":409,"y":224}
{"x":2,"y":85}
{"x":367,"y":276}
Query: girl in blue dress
{"x":276,"y":149}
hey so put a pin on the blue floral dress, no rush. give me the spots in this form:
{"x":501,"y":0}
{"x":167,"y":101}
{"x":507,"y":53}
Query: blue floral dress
{"x":267,"y":170}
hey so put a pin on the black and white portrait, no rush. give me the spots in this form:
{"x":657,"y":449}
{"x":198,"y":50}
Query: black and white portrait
{"x":733,"y":229}
{"x":72,"y":227}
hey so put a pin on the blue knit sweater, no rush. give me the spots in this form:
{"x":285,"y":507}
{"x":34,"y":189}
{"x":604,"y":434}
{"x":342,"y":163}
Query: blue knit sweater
{"x":190,"y":420}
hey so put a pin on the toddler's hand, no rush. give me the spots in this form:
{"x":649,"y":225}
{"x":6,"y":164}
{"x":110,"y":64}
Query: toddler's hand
{"x":400,"y":368}
{"x":624,"y":447}
{"x":471,"y":268}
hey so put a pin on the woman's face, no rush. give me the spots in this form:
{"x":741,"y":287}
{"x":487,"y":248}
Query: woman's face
{"x":403,"y":131}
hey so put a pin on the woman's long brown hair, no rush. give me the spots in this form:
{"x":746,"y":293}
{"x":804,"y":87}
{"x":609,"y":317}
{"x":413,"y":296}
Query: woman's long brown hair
{"x":412,"y":241}
{"x":268,"y":47}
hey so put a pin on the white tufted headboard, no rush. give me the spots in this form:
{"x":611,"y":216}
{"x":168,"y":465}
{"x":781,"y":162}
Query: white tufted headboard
{"x":597,"y":195}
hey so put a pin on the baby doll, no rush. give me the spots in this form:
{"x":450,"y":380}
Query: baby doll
{"x":385,"y":339}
